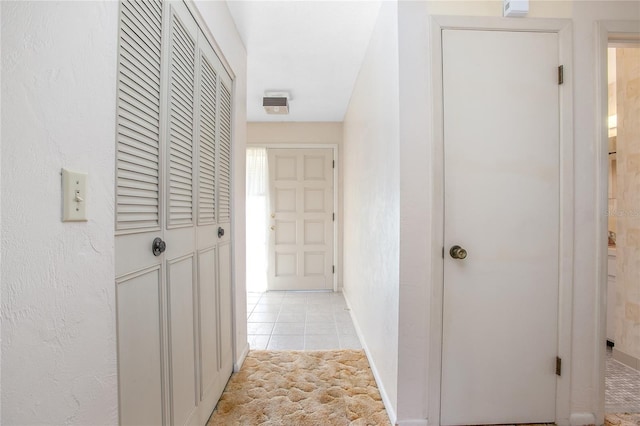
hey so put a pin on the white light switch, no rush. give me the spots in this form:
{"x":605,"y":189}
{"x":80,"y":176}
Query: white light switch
{"x":74,"y":196}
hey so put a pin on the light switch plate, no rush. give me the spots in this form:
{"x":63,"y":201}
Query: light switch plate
{"x":74,"y":196}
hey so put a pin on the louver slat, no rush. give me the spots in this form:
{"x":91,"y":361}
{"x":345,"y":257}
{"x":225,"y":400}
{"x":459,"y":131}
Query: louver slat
{"x":207,"y":122}
{"x":150,"y":14}
{"x":224,"y":171}
{"x":137,"y":205}
{"x":181,"y":113}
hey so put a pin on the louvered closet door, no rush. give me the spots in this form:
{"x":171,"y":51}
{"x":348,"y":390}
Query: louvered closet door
{"x":174,"y":145}
{"x":139,"y":216}
{"x":180,"y":231}
{"x":213,"y":264}
{"x":198,"y":293}
{"x":223,"y":178}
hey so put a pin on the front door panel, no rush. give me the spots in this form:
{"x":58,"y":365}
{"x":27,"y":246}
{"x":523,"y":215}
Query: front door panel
{"x":301,"y":222}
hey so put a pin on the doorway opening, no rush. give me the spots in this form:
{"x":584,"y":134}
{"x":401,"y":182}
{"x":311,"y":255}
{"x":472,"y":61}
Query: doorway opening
{"x":291,"y":250}
{"x":292,"y":202}
{"x":622,"y":377}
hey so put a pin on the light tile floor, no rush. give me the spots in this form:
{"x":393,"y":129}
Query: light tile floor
{"x":622,"y":387}
{"x":291,"y":320}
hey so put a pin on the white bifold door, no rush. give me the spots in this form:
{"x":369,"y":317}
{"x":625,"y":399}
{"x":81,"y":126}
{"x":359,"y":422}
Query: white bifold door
{"x":502,"y":227}
{"x":173,"y":214}
{"x":301,"y":219}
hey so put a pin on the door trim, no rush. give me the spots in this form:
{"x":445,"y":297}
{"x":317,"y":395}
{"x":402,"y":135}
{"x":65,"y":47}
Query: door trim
{"x":606,"y":31}
{"x":336,"y":205}
{"x":563,"y":27}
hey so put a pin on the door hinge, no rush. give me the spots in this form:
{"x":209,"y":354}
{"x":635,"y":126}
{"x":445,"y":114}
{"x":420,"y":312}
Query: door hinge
{"x":333,"y":217}
{"x":558,"y":366}
{"x":443,"y":252}
{"x":333,"y":269}
{"x":333,"y":164}
{"x":561,"y":74}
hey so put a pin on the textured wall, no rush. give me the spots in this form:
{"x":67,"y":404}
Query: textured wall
{"x":58,"y":295}
{"x":416,"y":210}
{"x":261,"y":133}
{"x":627,"y":333}
{"x":0,"y":236}
{"x":372,"y":202}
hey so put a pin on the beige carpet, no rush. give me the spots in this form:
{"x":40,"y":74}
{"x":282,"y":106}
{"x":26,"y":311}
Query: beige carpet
{"x":622,"y":419}
{"x":302,"y":388}
{"x":310,"y":388}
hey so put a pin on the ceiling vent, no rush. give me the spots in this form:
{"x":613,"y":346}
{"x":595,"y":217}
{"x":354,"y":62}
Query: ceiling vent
{"x":276,"y":104}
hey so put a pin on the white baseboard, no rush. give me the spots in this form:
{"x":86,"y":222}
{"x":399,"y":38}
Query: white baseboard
{"x":383,"y":393}
{"x":238,"y":364}
{"x":418,"y":422}
{"x":582,"y":419}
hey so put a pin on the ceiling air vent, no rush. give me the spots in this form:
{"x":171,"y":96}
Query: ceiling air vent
{"x":276,"y":104}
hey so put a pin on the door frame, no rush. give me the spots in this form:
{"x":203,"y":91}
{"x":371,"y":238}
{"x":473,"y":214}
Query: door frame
{"x":563,"y":27}
{"x":606,"y":32}
{"x":336,"y":205}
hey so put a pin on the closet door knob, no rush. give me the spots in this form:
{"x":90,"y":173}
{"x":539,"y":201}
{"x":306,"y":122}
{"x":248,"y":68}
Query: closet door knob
{"x":158,"y":246}
{"x":458,"y":252}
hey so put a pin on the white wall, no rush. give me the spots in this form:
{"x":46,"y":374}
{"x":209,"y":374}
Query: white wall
{"x":308,"y":132}
{"x":58,"y":294}
{"x":587,"y":387}
{"x":305,"y":133}
{"x":418,"y":186}
{"x":416,"y":211}
{"x":216,"y":16}
{"x":0,"y":233}
{"x":372,"y":203}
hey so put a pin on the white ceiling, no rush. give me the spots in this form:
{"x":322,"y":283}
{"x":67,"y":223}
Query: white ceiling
{"x":311,"y":49}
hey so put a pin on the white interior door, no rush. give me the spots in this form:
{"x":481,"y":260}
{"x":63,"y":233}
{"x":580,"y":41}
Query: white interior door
{"x":173,"y":184}
{"x":502,"y":164}
{"x":180,"y":233}
{"x":301,"y":219}
{"x":140,"y":276}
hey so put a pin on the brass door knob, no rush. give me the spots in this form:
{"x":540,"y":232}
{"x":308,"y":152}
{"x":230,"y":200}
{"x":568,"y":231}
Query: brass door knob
{"x":273,"y":228}
{"x":458,"y":252}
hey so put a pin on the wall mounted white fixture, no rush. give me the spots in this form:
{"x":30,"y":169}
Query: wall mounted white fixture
{"x":74,"y":196}
{"x":515,"y":8}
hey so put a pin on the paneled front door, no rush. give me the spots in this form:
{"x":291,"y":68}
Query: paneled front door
{"x":301,"y":219}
